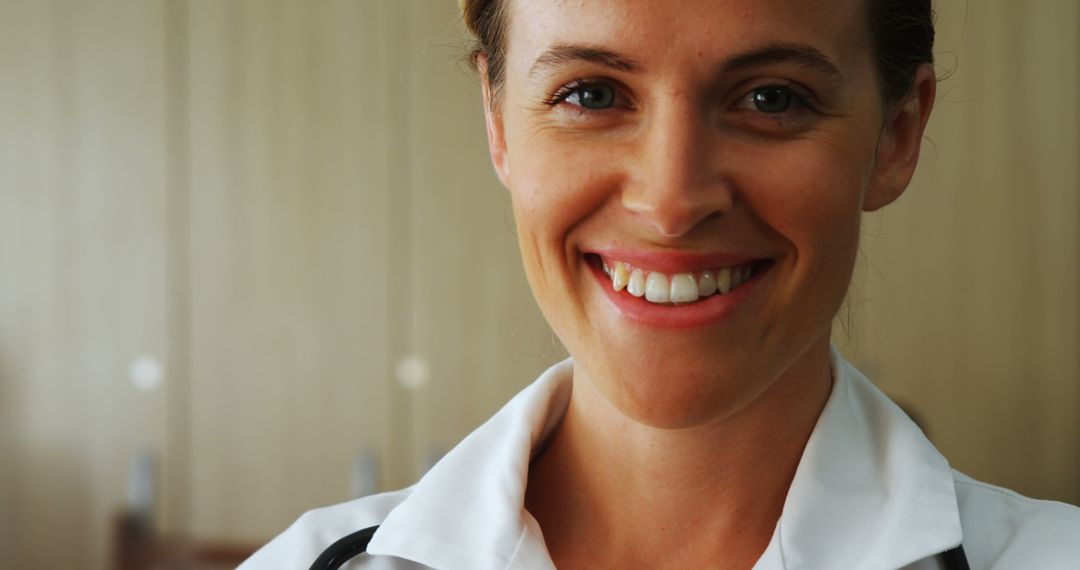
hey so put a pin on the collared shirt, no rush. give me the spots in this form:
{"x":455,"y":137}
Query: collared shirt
{"x":870,"y":492}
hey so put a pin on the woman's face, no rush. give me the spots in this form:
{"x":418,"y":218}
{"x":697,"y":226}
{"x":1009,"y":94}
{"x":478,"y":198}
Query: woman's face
{"x":688,"y":147}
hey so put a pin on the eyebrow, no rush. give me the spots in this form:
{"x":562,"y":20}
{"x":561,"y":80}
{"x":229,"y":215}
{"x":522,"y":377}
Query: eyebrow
{"x":799,"y":54}
{"x":561,"y":54}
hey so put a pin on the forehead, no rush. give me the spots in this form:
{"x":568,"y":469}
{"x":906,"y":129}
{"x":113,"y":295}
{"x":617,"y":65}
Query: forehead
{"x":676,"y":32}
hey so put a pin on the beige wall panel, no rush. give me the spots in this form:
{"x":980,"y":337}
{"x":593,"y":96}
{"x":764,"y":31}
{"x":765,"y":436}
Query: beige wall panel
{"x":82,"y":212}
{"x":289,"y":257}
{"x":474,"y":321}
{"x":967,"y":300}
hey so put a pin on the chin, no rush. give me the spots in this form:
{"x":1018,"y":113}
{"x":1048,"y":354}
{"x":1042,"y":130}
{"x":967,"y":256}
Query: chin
{"x":679,"y":396}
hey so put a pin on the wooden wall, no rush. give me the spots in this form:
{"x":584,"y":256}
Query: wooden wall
{"x":282,"y":201}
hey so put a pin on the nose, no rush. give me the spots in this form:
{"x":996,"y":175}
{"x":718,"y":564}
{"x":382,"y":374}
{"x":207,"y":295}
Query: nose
{"x":676,"y":180}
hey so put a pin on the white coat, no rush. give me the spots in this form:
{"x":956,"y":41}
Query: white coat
{"x":870,"y":492}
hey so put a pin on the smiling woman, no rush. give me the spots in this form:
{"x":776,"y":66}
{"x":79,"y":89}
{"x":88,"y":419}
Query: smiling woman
{"x":688,"y":186}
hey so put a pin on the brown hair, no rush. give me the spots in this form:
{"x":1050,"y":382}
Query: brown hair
{"x":902,"y":32}
{"x":487,"y":20}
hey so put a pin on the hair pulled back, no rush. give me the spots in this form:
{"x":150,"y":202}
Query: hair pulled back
{"x":901,"y":31}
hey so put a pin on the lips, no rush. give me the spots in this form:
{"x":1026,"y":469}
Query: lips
{"x":693,"y":291}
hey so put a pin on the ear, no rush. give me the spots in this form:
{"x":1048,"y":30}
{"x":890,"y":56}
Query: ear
{"x":493,"y":121}
{"x":900,"y":141}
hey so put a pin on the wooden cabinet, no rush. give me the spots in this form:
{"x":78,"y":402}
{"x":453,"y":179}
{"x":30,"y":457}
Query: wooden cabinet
{"x":83,"y":268}
{"x":291,"y":237}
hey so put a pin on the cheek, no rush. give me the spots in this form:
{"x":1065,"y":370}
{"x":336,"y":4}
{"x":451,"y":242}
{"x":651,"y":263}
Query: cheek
{"x":813,"y":188}
{"x":812,"y":198}
{"x":555,"y":186}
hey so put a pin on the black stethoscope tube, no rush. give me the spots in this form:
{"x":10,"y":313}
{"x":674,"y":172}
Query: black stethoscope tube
{"x":955,"y":559}
{"x":345,"y":549}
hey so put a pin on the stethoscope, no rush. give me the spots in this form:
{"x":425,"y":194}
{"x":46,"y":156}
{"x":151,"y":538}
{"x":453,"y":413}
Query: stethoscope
{"x":349,"y":547}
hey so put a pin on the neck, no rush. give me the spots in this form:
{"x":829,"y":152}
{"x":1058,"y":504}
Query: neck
{"x":612,"y":492}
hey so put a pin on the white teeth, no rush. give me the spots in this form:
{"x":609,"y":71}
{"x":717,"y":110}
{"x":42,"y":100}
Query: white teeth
{"x":740,"y":276}
{"x":683,"y":288}
{"x":620,"y":277}
{"x":657,"y":288}
{"x":723,"y":281}
{"x":706,"y":284}
{"x":636,"y":285}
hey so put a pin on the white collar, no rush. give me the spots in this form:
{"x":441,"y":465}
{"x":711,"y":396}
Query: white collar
{"x":870,"y":490}
{"x":468,"y":511}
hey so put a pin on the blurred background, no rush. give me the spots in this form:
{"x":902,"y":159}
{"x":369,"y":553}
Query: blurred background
{"x":253,"y":260}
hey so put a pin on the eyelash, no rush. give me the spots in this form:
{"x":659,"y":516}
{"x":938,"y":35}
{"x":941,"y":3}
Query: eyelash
{"x":576,"y":86}
{"x":802,"y":99}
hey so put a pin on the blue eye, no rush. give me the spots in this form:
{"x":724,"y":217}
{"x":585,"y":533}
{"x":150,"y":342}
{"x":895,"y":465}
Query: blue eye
{"x":773,"y":99}
{"x":595,"y":97}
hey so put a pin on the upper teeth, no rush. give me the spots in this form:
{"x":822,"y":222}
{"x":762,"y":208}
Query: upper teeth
{"x":659,"y":287}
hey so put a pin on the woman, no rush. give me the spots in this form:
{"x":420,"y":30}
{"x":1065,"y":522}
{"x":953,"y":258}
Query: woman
{"x":687,"y":181}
